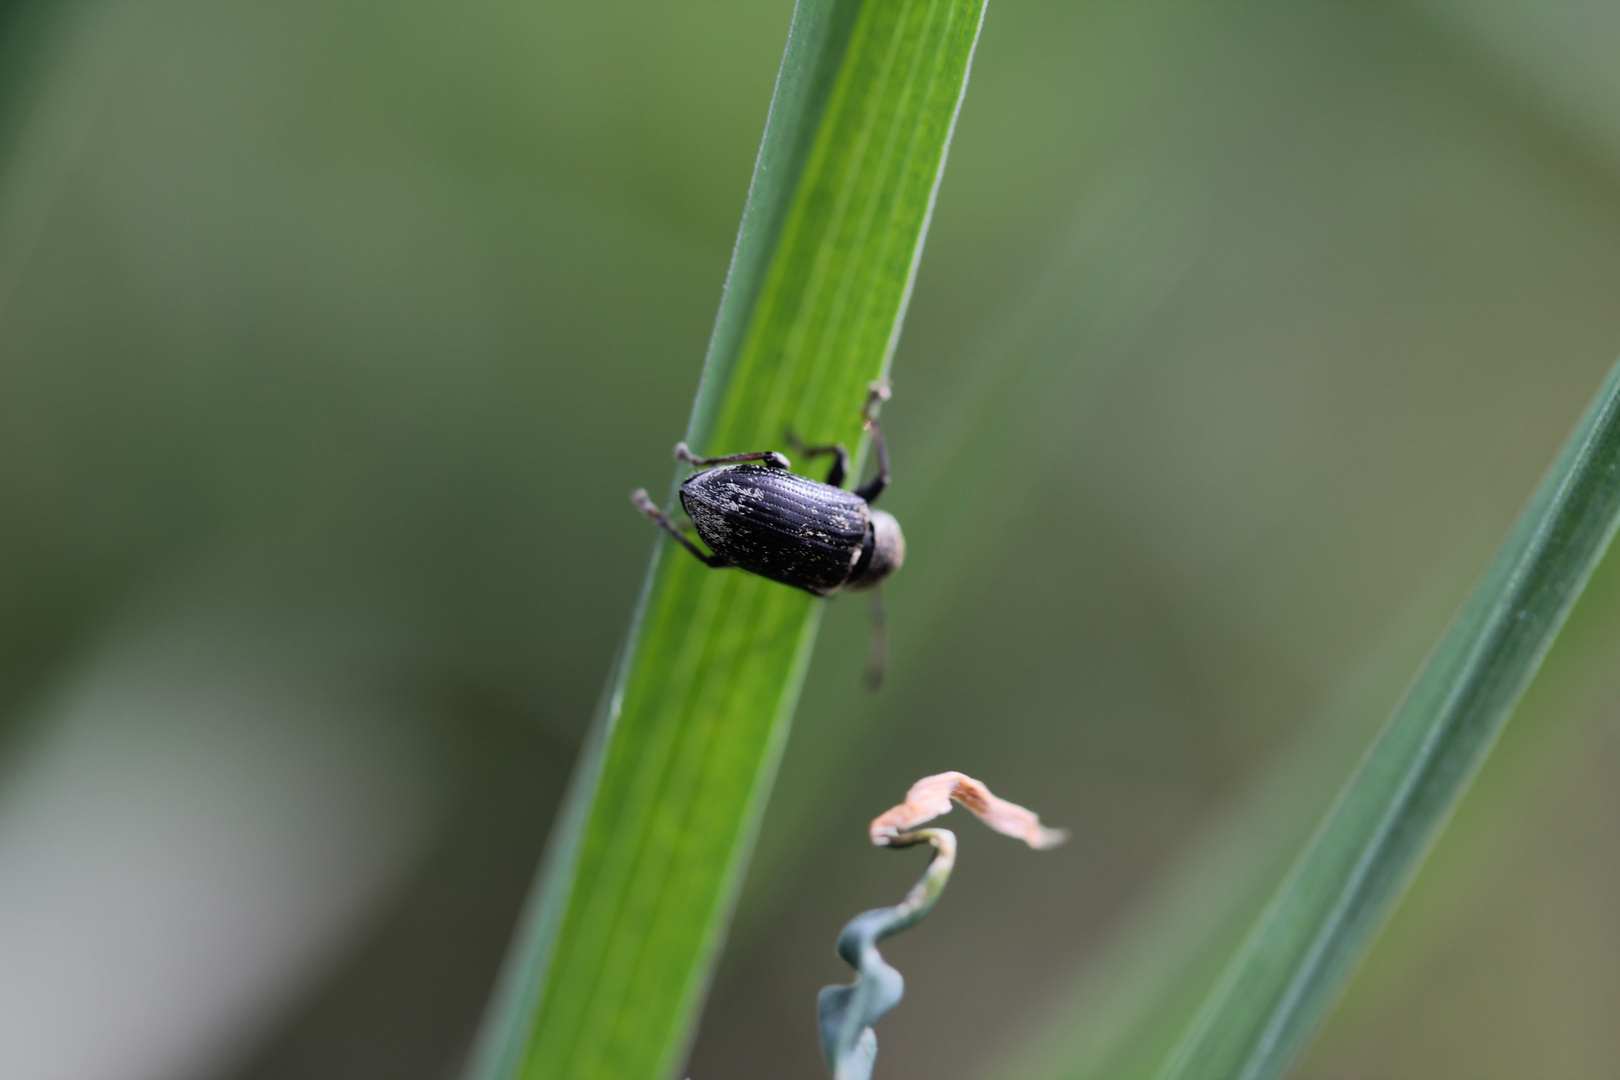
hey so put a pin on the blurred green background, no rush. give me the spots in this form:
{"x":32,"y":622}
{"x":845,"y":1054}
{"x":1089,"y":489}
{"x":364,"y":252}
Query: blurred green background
{"x":333,"y":336}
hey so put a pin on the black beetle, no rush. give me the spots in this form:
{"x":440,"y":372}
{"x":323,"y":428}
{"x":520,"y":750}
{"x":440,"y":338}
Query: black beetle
{"x":801,"y":532}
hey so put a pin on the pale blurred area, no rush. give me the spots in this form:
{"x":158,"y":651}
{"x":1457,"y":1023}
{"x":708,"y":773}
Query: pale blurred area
{"x":333,"y":336}
{"x":200,"y":816}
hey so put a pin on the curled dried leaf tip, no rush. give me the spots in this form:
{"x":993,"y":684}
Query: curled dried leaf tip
{"x":931,"y":796}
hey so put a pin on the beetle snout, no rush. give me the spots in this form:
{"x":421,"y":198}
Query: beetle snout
{"x":888,"y":550}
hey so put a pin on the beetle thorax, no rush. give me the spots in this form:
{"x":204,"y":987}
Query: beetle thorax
{"x":888,"y":551}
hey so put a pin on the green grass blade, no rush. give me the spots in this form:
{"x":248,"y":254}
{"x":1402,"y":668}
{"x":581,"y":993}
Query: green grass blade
{"x":610,"y":965}
{"x":1315,"y":928}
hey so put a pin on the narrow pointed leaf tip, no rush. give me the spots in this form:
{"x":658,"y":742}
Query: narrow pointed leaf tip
{"x":932,"y":796}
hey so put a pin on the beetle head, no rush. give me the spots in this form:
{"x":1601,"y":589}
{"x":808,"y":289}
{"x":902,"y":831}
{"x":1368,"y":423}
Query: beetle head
{"x":888,"y":551}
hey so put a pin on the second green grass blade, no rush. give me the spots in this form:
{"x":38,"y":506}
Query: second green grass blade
{"x":612,"y":961}
{"x":1310,"y":936}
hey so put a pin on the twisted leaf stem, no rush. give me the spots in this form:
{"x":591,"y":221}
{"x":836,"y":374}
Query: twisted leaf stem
{"x":847,"y":1013}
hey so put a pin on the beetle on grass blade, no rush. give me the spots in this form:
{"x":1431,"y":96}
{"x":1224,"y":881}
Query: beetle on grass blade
{"x":772,"y":522}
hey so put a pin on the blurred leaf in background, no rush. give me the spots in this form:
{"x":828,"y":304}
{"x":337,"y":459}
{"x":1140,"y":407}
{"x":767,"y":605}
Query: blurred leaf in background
{"x":328,"y":314}
{"x":1376,"y":314}
{"x":338,"y":333}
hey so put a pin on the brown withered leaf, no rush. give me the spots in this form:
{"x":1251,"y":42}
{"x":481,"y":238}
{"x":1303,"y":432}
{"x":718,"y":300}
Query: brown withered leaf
{"x":931,"y":796}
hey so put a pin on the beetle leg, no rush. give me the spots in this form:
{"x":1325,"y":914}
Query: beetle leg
{"x":770,"y":457}
{"x":878,"y":392}
{"x":840,"y":465}
{"x":648,"y":507}
{"x":877,"y":657}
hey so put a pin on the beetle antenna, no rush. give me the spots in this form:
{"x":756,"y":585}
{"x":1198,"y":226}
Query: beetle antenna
{"x":877,"y":658}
